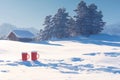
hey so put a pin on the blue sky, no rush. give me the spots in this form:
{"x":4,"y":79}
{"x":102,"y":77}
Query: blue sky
{"x":31,"y":13}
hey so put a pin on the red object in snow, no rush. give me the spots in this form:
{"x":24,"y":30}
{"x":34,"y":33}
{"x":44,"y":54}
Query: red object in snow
{"x":34,"y":56}
{"x":25,"y":56}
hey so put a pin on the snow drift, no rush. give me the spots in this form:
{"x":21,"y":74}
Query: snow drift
{"x":78,"y":58}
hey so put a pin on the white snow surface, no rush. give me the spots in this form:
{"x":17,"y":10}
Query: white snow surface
{"x":72,"y":59}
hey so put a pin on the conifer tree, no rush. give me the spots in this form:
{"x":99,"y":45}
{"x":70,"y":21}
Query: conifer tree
{"x":96,"y":22}
{"x":71,"y":27}
{"x":88,"y":19}
{"x":60,"y":19}
{"x":81,"y":18}
{"x":47,"y":31}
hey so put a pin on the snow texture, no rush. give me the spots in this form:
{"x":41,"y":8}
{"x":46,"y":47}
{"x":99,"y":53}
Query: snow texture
{"x":77,"y":58}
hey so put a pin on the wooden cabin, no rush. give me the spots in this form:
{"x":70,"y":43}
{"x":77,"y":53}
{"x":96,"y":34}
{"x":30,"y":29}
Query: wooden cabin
{"x":21,"y":35}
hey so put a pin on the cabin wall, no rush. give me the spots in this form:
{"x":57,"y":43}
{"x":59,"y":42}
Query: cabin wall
{"x":25,"y":39}
{"x":12,"y":36}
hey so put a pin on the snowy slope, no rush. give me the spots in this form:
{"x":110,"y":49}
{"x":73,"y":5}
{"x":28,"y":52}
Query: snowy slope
{"x":94,"y":58}
{"x":113,"y":29}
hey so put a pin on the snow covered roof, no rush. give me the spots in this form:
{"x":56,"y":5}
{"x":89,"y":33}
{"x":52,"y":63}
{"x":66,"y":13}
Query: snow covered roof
{"x":23,"y":34}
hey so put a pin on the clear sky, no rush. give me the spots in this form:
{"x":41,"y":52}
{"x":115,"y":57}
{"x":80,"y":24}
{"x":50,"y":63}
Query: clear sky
{"x":31,"y":13}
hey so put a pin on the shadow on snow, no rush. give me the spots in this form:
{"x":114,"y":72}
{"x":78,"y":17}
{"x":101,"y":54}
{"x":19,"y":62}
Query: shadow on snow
{"x":66,"y":68}
{"x":101,"y":39}
{"x":47,"y":43}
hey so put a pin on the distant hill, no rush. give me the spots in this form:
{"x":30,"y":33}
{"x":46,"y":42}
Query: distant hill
{"x":113,"y":29}
{"x":6,"y":28}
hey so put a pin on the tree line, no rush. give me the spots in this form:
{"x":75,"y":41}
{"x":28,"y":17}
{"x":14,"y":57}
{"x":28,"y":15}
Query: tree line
{"x":87,"y":21}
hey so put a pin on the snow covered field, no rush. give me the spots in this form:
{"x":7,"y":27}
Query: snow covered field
{"x":94,"y":58}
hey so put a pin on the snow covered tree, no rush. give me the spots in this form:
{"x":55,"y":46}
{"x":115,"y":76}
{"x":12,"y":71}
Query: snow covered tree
{"x":81,"y":18}
{"x":88,"y":19}
{"x":71,"y":27}
{"x":96,"y":22}
{"x":56,"y":26}
{"x":39,"y":35}
{"x":47,"y":31}
{"x":60,"y":19}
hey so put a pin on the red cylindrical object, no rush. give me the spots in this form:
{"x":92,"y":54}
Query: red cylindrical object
{"x":25,"y":56}
{"x":34,"y":56}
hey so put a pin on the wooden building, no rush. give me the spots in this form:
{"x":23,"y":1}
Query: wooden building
{"x":21,"y":35}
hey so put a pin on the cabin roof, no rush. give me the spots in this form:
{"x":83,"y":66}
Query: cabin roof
{"x":23,"y":34}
